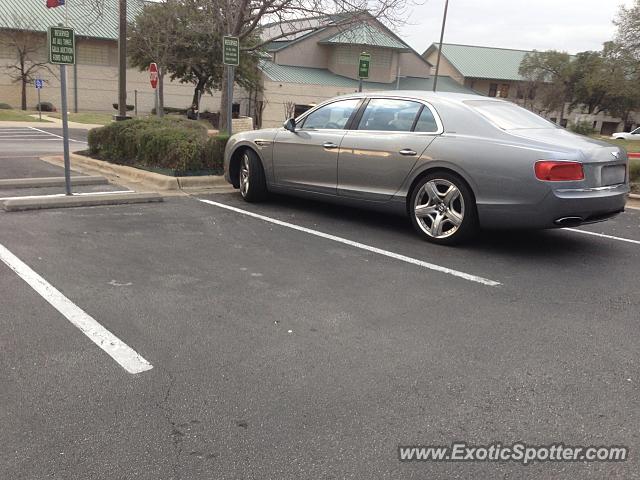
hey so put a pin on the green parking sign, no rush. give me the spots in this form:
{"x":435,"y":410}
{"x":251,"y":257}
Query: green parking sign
{"x":62,"y":46}
{"x":231,"y":51}
{"x":363,"y":65}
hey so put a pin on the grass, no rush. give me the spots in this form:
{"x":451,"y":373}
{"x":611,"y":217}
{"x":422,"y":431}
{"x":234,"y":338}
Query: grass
{"x":86,"y":117}
{"x":628,"y":145}
{"x":18,"y":116}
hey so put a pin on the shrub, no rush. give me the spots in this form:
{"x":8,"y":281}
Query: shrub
{"x":634,"y":170}
{"x":172,"y":143}
{"x":5,"y":106}
{"x":582,"y":128}
{"x":170,"y":110}
{"x":214,"y":152}
{"x":129,"y":107}
{"x":46,"y":107}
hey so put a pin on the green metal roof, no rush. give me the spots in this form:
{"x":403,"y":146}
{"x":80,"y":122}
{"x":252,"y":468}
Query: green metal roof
{"x":321,"y":76}
{"x":484,"y":62}
{"x":365,"y":34}
{"x":95,"y":19}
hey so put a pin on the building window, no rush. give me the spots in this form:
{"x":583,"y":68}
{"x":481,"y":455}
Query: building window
{"x":504,"y":91}
{"x":300,"y":109}
{"x":493,"y":89}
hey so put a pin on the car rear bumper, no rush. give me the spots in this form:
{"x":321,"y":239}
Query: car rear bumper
{"x":560,"y":208}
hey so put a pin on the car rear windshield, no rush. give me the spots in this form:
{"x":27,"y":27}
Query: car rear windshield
{"x":509,"y":116}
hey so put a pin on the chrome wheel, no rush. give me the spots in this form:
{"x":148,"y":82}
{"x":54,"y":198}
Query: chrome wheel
{"x":439,"y":208}
{"x":244,"y":175}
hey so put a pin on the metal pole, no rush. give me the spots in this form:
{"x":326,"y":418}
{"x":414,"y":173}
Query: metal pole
{"x":229,"y":99}
{"x":65,"y":128}
{"x":156,"y":100}
{"x":39,"y":107}
{"x":122,"y":60}
{"x":135,"y":102}
{"x":360,"y":85}
{"x":444,"y":21}
{"x":75,"y":87}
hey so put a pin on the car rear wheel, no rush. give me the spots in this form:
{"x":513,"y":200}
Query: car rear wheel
{"x":443,"y":209}
{"x":253,"y":185}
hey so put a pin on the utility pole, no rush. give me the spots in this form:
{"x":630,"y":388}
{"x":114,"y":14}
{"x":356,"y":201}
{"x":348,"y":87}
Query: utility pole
{"x":122,"y":61}
{"x":444,"y":21}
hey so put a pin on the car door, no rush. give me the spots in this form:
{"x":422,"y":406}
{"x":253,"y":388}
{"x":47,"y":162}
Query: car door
{"x":376,"y":157}
{"x":307,"y":158}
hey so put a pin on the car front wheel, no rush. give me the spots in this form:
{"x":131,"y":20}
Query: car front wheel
{"x":443,"y":209}
{"x":253,"y":185}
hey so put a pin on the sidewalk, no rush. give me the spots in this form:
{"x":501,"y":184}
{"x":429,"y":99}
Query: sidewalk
{"x":51,"y":123}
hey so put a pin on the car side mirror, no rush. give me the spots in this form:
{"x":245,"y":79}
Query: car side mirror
{"x":290,"y":125}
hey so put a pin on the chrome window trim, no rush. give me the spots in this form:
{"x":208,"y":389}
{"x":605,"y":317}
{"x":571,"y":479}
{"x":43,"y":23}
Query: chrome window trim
{"x":433,"y":111}
{"x":304,"y":116}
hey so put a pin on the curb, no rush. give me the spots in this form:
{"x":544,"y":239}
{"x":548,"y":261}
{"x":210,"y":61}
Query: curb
{"x":51,"y":182}
{"x":132,"y":174}
{"x":634,"y":196}
{"x":84,"y":200}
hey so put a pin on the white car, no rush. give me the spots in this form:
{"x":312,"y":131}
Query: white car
{"x":632,"y":135}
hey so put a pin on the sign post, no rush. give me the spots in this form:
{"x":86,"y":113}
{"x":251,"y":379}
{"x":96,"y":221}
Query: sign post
{"x":38,"y":84}
{"x":231,"y":58}
{"x":364,"y":62}
{"x":153,"y":79}
{"x":62,"y":51}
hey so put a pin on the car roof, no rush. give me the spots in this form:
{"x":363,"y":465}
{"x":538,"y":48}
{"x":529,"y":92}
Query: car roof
{"x":422,"y":95}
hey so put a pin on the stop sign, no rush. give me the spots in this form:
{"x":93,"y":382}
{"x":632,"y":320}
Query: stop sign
{"x":153,"y":75}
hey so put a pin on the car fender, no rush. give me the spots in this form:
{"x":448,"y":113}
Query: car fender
{"x":425,"y":164}
{"x":263,"y":151}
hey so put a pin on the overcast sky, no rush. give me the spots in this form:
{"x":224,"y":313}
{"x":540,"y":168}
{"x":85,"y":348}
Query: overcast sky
{"x":569,"y":25}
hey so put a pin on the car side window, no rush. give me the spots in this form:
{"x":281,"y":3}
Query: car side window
{"x":332,"y":117}
{"x":426,"y":122}
{"x":389,"y":115}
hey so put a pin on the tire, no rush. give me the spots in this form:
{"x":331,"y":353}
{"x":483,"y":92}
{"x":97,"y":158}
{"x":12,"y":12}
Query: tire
{"x":443,"y":209}
{"x":253,"y":185}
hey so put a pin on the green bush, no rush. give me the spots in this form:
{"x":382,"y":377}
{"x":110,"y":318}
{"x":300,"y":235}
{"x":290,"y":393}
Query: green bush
{"x":171,"y":110}
{"x":214,"y":152}
{"x":5,"y":106}
{"x":634,"y":170}
{"x":582,"y":128}
{"x":171,"y":143}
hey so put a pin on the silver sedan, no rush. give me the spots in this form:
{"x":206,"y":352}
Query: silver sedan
{"x":452,"y":162}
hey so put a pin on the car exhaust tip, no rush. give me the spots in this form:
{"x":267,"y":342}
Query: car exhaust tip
{"x":568,"y":221}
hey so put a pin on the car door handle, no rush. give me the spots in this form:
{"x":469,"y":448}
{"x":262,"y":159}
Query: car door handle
{"x":407,"y":152}
{"x":329,"y":145}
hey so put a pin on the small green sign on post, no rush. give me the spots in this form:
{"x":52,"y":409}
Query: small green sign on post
{"x":363,"y":65}
{"x":62,"y":46}
{"x":231,"y":51}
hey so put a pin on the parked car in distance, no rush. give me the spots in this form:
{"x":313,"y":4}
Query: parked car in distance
{"x":632,"y":135}
{"x":452,"y":162}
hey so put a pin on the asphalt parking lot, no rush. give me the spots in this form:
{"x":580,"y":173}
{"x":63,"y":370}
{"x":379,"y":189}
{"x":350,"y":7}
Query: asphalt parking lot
{"x":293,"y":339}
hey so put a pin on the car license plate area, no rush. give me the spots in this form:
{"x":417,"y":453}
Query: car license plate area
{"x":613,"y":175}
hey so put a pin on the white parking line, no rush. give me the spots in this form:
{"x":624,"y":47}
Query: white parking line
{"x":128,"y":358}
{"x":362,"y":246}
{"x":54,"y":135}
{"x":602,"y":235}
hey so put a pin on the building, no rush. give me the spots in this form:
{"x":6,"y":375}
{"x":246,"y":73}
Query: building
{"x":93,"y":81}
{"x":320,"y":60}
{"x":308,"y":61}
{"x":494,"y":72}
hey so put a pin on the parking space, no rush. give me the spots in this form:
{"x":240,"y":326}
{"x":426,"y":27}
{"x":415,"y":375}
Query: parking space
{"x":293,"y":339}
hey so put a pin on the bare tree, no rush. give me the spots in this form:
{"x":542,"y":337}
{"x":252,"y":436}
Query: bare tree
{"x":30,"y":57}
{"x":289,"y":109}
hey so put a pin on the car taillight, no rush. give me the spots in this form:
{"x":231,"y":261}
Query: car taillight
{"x":551,"y":171}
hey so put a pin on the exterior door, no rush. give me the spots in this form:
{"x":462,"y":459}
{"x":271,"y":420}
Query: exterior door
{"x":376,"y":158}
{"x":307,"y":159}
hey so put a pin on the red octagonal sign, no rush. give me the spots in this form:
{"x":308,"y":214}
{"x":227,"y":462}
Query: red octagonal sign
{"x":153,"y":75}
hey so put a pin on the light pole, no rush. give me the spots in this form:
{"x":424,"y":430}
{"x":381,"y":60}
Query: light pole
{"x":444,"y":22}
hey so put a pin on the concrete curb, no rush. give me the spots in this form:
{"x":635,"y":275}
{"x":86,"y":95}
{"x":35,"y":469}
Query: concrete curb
{"x":36,"y":182}
{"x":153,"y":180}
{"x":84,"y":200}
{"x":634,"y":196}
